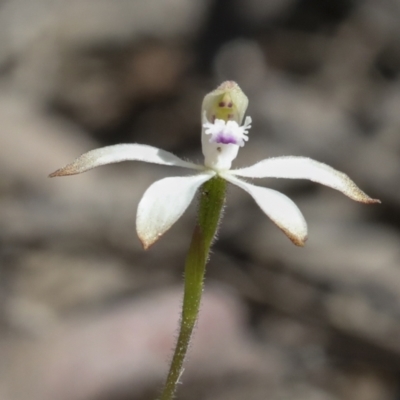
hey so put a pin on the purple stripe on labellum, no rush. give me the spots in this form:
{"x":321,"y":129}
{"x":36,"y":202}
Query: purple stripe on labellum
{"x":224,"y":139}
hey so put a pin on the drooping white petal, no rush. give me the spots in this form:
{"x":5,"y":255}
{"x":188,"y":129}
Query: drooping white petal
{"x":305,"y":168}
{"x":163,"y":203}
{"x":282,"y":211}
{"x":123,"y":152}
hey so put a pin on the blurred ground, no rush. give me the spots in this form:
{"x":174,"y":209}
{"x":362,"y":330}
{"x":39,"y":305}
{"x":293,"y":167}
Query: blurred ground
{"x":85,"y":313}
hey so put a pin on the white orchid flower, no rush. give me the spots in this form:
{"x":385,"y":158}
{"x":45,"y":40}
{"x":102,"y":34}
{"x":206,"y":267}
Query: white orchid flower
{"x":166,"y":200}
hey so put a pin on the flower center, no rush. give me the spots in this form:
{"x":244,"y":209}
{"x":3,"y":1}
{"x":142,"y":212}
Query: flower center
{"x":227,"y":132}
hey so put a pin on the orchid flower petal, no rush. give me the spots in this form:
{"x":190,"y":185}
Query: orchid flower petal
{"x":282,"y":211}
{"x":305,"y":168}
{"x":163,"y":203}
{"x":123,"y":152}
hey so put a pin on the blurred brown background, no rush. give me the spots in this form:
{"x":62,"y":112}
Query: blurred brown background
{"x":85,"y":313}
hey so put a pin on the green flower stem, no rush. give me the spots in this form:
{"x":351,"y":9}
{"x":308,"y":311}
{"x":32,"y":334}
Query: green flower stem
{"x":211,"y":205}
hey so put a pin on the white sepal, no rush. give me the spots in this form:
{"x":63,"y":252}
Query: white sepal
{"x":282,"y":211}
{"x":163,"y":203}
{"x":305,"y":168}
{"x":123,"y":152}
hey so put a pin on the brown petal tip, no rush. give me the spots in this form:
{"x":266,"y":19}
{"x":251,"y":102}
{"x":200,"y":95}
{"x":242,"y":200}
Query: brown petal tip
{"x":67,"y":170}
{"x":299,"y":243}
{"x":146,"y":246}
{"x":56,"y":173}
{"x":355,"y":193}
{"x":372,"y":201}
{"x":298,"y":240}
{"x":147,"y":242}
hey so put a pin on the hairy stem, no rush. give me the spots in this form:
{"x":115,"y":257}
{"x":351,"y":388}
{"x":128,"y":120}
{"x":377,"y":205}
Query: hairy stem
{"x":211,"y":205}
